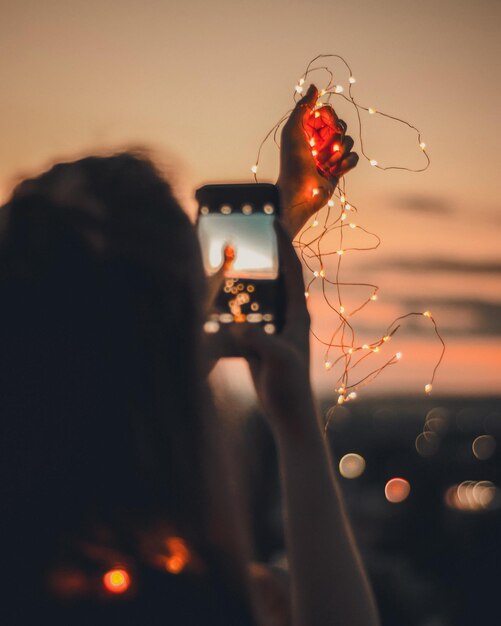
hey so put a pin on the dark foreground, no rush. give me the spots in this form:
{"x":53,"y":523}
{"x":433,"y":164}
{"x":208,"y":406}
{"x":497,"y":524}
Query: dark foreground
{"x":435,"y":556}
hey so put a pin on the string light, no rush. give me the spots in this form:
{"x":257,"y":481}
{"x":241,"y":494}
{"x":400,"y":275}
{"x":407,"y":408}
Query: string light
{"x":312,"y":247}
{"x":116,"y":580}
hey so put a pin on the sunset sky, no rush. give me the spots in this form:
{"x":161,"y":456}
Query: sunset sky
{"x":202,"y":82}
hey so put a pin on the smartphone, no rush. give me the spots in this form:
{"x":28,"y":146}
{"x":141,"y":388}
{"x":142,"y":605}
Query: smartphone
{"x":242,"y":216}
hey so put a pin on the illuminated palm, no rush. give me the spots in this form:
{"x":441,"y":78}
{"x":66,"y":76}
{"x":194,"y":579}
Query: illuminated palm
{"x":314,"y":154}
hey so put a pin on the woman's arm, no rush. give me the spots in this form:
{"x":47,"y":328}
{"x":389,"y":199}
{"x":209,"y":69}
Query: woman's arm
{"x":328,"y":581}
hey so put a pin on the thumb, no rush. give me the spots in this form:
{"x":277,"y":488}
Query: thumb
{"x":307,"y":102}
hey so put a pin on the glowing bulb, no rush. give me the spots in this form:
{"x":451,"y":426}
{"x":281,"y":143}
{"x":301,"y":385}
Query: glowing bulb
{"x":365,"y":347}
{"x":330,"y":203}
{"x":347,"y":207}
{"x":352,"y":225}
{"x":314,"y":152}
{"x":299,"y":89}
{"x":315,"y":191}
{"x":339,"y":89}
{"x":327,"y":365}
{"x":116,"y":580}
{"x":353,"y":395}
{"x":373,"y":162}
{"x":254,"y":169}
{"x":317,"y":114}
{"x":340,"y":400}
{"x":306,"y":294}
{"x":351,"y":465}
{"x":374,"y":296}
{"x":335,"y":147}
{"x":398,"y":356}
{"x":428,"y":388}
{"x":350,"y":351}
{"x":352,"y":80}
{"x":301,"y":81}
{"x":340,"y":252}
{"x":371,"y":111}
{"x":341,"y":309}
{"x":422,"y":145}
{"x":427,"y":313}
{"x":322,"y":93}
{"x":322,"y":273}
{"x":314,"y":223}
{"x":312,"y":142}
{"x":315,"y":273}
{"x":342,"y":199}
{"x":343,"y":216}
{"x":376,"y":349}
{"x":386,"y":338}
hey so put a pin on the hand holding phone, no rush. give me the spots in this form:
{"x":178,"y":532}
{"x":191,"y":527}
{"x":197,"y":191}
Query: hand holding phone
{"x":239,"y":219}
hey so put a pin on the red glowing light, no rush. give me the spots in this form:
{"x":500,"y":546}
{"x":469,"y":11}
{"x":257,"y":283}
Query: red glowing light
{"x":116,"y":580}
{"x":397,"y":490}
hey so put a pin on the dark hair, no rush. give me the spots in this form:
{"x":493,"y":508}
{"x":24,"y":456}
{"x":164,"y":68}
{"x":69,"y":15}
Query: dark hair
{"x":103,"y":401}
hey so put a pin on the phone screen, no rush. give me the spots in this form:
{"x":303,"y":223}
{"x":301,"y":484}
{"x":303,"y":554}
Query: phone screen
{"x":252,"y":237}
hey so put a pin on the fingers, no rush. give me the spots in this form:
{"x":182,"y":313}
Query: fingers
{"x":335,"y":150}
{"x":216,"y":280}
{"x":347,"y":164}
{"x":306,"y":103}
{"x":251,"y":341}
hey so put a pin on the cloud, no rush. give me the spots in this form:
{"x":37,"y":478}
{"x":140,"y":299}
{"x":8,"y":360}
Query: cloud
{"x":437,"y":265}
{"x":486,"y":314}
{"x":422,"y":203}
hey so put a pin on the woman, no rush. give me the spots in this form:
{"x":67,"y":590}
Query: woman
{"x":117,"y":508}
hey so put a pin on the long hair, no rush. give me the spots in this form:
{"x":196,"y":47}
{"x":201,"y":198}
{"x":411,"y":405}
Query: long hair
{"x":103,"y":403}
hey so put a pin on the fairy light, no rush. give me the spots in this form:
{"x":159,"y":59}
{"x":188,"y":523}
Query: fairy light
{"x":116,"y":580}
{"x":310,"y":243}
{"x":254,"y":169}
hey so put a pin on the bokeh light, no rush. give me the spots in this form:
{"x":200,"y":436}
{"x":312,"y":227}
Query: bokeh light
{"x":178,"y":555}
{"x":351,"y":465}
{"x":116,"y":580}
{"x":483,"y":447}
{"x":471,"y":496}
{"x":427,"y":443}
{"x":397,"y":490}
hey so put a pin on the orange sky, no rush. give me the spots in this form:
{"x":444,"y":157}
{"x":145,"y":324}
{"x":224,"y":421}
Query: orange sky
{"x":202,"y":83}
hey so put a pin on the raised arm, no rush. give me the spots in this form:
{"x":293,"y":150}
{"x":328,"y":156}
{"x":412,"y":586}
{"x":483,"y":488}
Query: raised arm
{"x":328,"y":581}
{"x":311,"y":130}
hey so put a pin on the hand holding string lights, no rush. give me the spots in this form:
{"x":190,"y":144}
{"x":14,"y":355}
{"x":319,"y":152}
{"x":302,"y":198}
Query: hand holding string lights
{"x":315,"y":154}
{"x":314,"y":157}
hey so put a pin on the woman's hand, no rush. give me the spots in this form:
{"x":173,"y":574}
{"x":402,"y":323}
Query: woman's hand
{"x":307,"y":181}
{"x":280,"y":363}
